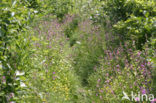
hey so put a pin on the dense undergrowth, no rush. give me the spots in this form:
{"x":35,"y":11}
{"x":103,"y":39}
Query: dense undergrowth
{"x":70,"y":51}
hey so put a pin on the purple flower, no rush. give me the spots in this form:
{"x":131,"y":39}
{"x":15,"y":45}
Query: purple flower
{"x":54,"y":77}
{"x":49,"y":46}
{"x":100,"y":97}
{"x":107,"y":74}
{"x":135,"y":83}
{"x":117,"y":66}
{"x":101,"y":91}
{"x":143,"y":91}
{"x":149,"y":63}
{"x":137,"y":99}
{"x":110,"y":55}
{"x":139,"y":53}
{"x":142,"y":65}
{"x":53,"y":72}
{"x":107,"y":81}
{"x":112,"y":91}
{"x":154,"y":101}
{"x":11,"y":95}
{"x":3,"y":77}
{"x":46,"y":71}
{"x":117,"y":52}
{"x":98,"y":80}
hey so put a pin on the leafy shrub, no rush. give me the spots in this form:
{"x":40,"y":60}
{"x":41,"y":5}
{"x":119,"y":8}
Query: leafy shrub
{"x":139,"y":29}
{"x":131,"y":19}
{"x":14,"y":18}
{"x":122,"y":9}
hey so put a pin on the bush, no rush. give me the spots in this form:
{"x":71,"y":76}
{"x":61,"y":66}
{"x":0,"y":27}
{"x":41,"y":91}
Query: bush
{"x":131,"y":19}
{"x":14,"y":20}
{"x":135,"y":28}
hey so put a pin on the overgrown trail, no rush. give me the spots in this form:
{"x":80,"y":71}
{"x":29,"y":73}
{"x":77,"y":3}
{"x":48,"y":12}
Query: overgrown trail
{"x":63,"y":62}
{"x":77,"y":51}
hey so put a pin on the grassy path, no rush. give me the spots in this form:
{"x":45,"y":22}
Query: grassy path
{"x":60,"y":65}
{"x":72,"y":64}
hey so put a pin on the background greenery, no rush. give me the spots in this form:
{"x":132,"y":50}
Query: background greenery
{"x":76,"y":51}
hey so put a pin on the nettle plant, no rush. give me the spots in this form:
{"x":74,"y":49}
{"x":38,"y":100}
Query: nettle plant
{"x":122,"y":69}
{"x":14,"y":17}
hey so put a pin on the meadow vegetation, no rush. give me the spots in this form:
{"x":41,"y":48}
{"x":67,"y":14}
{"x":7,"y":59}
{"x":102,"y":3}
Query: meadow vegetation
{"x":77,"y":51}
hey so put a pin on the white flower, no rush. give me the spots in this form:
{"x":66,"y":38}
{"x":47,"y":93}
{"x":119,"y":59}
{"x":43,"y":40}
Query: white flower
{"x":13,"y":4}
{"x":13,"y":13}
{"x":35,"y":11}
{"x":78,"y":42}
{"x":148,"y":59}
{"x":43,"y":61}
{"x":17,"y":78}
{"x":19,"y":73}
{"x":90,"y":17}
{"x":12,"y":102}
{"x":22,"y":84}
{"x":40,"y":94}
